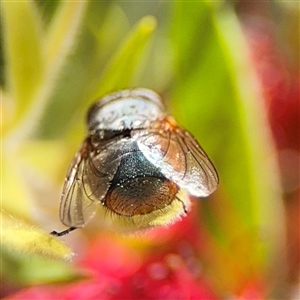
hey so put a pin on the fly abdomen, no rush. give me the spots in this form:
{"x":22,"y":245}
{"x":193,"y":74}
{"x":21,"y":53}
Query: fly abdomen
{"x":138,"y":186}
{"x":140,"y":196}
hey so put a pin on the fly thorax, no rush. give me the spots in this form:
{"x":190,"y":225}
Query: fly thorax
{"x":124,"y":113}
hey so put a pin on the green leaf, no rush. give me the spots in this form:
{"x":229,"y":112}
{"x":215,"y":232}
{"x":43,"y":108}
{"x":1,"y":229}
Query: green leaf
{"x":23,"y":270}
{"x":62,"y":35}
{"x":122,"y":67}
{"x":35,"y":61}
{"x":259,"y":148}
{"x":25,"y":247}
{"x":104,"y":27}
{"x":38,"y":157}
{"x":23,"y":238}
{"x":17,"y":201}
{"x":119,"y":72}
{"x":217,"y":98}
{"x":23,"y":48}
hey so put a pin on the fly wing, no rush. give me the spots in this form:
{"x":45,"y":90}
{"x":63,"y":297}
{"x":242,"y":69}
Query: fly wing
{"x":76,"y":207}
{"x":88,"y":180}
{"x":100,"y":168}
{"x":180,"y":158}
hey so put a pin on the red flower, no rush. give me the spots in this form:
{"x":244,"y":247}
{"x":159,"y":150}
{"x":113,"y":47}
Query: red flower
{"x":136,"y":268}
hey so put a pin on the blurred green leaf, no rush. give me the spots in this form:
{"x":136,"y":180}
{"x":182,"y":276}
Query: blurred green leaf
{"x":38,"y":155}
{"x":251,"y":117}
{"x":62,"y":34}
{"x":103,"y":29}
{"x":14,"y":200}
{"x":31,"y":256}
{"x":48,"y":9}
{"x":25,"y":56}
{"x":23,"y":47}
{"x":217,"y":98}
{"x":24,"y":238}
{"x":23,"y":270}
{"x":98,"y":79}
{"x":122,"y":66}
{"x":35,"y":60}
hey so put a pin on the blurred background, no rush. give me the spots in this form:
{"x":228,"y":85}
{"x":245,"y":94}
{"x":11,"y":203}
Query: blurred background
{"x":228,"y":72}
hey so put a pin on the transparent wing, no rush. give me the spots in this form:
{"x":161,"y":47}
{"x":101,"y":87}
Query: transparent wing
{"x":180,"y":158}
{"x":76,"y":207}
{"x":88,"y":180}
{"x":100,"y":168}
